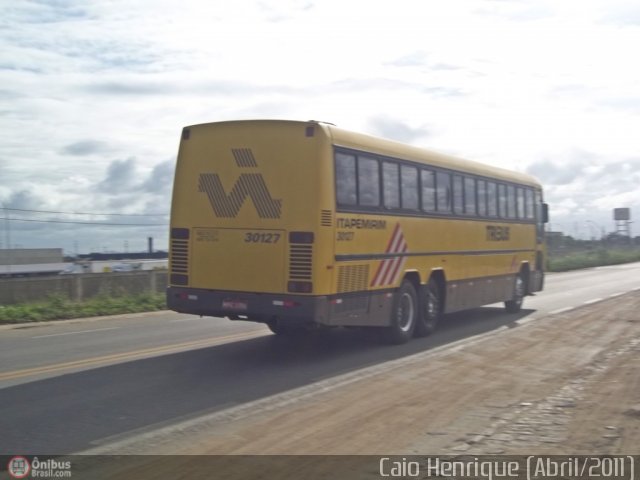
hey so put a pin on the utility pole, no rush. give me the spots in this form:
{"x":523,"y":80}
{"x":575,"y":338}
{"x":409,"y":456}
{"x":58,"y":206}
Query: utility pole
{"x":7,"y":228}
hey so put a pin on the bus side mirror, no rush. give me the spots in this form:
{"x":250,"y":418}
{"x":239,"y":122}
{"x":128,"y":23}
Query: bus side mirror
{"x":545,"y":213}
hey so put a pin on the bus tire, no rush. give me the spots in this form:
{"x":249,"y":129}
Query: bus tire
{"x":519,"y":287}
{"x":430,"y":309}
{"x":404,"y":314}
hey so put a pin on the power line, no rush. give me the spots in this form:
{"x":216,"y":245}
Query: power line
{"x":89,"y":213}
{"x":88,"y":223}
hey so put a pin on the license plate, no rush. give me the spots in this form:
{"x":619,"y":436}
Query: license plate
{"x":235,"y":304}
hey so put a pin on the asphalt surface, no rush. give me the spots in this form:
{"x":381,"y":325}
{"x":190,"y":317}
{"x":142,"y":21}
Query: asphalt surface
{"x":70,"y":386}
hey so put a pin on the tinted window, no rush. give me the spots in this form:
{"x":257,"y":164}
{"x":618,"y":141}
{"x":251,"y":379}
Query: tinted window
{"x":482,"y":198}
{"x":368,"y":182}
{"x":458,"y":195}
{"x":470,"y":196}
{"x":511,"y":199}
{"x":492,"y":199}
{"x":428,"y":179}
{"x":529,"y":204}
{"x":443,"y":192}
{"x":409,"y":187}
{"x":346,"y":179}
{"x":391,"y":184}
{"x":520,"y":199}
{"x":502,"y":201}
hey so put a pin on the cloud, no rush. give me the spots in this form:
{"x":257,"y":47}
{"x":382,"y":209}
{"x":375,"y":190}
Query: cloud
{"x":24,"y":199}
{"x":415,"y":59}
{"x":85,"y":147}
{"x":517,"y":11}
{"x":597,"y":174}
{"x":553,"y":173}
{"x":284,"y":10}
{"x":631,"y":104}
{"x":397,"y":130}
{"x":121,"y":175}
{"x":160,"y":179}
{"x":420,"y":59}
{"x":625,"y":13}
{"x":165,"y":85}
{"x":583,"y":186}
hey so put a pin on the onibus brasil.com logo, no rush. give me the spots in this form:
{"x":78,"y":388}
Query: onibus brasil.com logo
{"x":20,"y":467}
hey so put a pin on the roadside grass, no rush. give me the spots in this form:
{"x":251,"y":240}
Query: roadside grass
{"x":595,"y":258}
{"x":58,"y":307}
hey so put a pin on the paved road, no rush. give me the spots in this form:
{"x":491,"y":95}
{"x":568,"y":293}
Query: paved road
{"x":70,"y":386}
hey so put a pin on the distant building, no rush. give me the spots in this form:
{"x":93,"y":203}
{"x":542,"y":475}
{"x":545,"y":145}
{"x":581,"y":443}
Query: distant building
{"x":26,"y":256}
{"x":18,"y":262}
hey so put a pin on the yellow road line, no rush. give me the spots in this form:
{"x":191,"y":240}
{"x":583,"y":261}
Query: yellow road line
{"x":127,"y":355}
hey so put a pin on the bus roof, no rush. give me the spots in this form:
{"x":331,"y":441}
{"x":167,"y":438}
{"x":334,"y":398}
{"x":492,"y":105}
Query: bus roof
{"x":401,"y":151}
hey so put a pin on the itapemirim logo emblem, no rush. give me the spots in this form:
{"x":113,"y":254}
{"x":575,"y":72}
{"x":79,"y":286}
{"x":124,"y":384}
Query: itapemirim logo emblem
{"x":252,"y":185}
{"x":19,"y":467}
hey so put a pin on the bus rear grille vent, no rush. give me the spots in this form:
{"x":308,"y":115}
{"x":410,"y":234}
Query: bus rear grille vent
{"x":179,"y":256}
{"x":300,"y":262}
{"x":326,"y":218}
{"x":353,"y":278}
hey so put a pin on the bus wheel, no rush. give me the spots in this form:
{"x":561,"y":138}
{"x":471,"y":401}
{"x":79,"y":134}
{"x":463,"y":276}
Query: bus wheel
{"x":515,"y":304}
{"x":430,"y":309}
{"x":403,"y":314}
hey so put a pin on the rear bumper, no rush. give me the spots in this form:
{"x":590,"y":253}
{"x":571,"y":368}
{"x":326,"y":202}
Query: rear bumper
{"x":287,"y":309}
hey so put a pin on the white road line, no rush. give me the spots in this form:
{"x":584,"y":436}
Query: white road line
{"x":76,"y":333}
{"x":181,"y":320}
{"x":614,"y":295}
{"x":561,"y":310}
{"x":595,"y":300}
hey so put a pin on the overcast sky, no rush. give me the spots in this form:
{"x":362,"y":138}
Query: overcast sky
{"x":93,"y":96}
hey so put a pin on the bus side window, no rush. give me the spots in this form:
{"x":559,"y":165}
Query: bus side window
{"x":470,"y":196}
{"x":346,"y":179}
{"x":391,"y":185}
{"x":492,"y":199}
{"x":482,"y":198}
{"x":428,"y":179}
{"x":503,"y":210}
{"x":539,"y":217}
{"x":530,"y":205}
{"x":511,"y":199}
{"x":443,"y":190}
{"x":521,"y":206}
{"x":368,"y":182}
{"x":458,"y":195}
{"x":409,"y":187}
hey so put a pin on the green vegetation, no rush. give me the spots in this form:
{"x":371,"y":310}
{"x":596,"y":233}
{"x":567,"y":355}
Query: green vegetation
{"x":592,"y":258}
{"x":58,"y":307}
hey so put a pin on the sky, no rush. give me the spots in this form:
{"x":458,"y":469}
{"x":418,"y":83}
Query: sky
{"x":94,"y":94}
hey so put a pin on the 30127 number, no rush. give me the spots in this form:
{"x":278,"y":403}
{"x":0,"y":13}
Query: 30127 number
{"x":257,"y":237}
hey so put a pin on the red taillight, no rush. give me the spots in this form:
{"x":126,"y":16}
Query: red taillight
{"x":286,"y":303}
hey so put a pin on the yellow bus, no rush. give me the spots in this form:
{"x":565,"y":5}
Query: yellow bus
{"x":301,"y":224}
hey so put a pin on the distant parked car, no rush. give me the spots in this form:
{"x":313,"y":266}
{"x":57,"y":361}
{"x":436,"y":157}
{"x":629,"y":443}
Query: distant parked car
{"x":125,"y":267}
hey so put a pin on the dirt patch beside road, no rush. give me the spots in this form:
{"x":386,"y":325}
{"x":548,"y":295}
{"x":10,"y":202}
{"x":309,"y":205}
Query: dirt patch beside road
{"x":567,"y":383}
